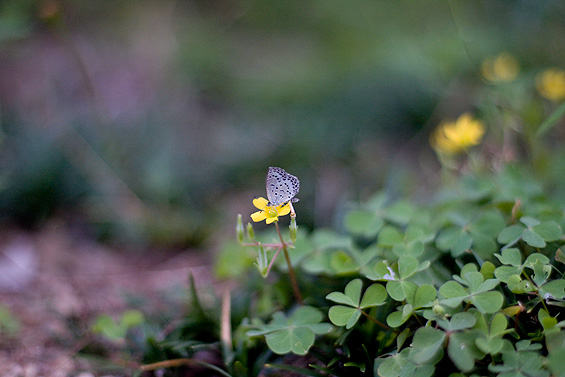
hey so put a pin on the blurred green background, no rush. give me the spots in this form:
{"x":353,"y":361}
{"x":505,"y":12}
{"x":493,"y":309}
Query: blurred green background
{"x":154,"y":122}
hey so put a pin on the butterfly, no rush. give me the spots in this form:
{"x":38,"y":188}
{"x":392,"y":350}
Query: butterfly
{"x":281,"y":186}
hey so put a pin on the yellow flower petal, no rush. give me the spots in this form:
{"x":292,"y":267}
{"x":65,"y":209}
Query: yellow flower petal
{"x":503,"y":67}
{"x":454,"y":137}
{"x":258,"y":216}
{"x":269,"y":213}
{"x":284,"y":209}
{"x":260,"y":203}
{"x":271,"y":220}
{"x":551,"y":84}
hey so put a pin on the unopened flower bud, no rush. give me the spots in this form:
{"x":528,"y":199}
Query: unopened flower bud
{"x":250,"y":231}
{"x":293,"y":229}
{"x":262,"y":262}
{"x":239,"y":229}
{"x":438,"y":310}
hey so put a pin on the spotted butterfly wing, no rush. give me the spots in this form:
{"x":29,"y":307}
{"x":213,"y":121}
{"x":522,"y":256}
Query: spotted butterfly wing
{"x":281,"y":186}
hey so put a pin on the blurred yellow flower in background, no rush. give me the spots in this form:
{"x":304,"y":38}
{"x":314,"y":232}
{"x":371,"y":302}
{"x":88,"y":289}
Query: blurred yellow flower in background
{"x":455,"y":137}
{"x":503,"y":67}
{"x":269,"y":213}
{"x":551,"y":84}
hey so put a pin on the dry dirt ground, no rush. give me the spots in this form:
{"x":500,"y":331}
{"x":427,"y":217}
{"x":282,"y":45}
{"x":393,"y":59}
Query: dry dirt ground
{"x":50,"y":279}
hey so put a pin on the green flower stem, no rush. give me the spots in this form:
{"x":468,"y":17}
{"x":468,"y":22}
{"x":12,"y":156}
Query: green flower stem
{"x":374,"y":320}
{"x":267,"y":245}
{"x":290,"y":269}
{"x":273,"y":260}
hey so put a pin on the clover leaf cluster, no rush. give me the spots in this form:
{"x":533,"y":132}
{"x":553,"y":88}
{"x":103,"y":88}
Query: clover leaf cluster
{"x":467,"y":284}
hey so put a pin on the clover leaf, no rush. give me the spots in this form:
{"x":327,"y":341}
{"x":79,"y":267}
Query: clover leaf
{"x":410,"y":242}
{"x":531,"y":231}
{"x":463,"y":351}
{"x":400,"y":288}
{"x":423,"y":297}
{"x":426,"y":344}
{"x":295,"y":333}
{"x":478,"y":233}
{"x":520,"y":364}
{"x":363,"y":223}
{"x":491,"y":342}
{"x":348,"y":314}
{"x":400,"y":365}
{"x":478,"y":291}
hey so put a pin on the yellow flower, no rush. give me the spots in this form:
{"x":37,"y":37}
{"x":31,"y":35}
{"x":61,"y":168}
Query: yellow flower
{"x":551,"y":84}
{"x":269,"y":213}
{"x":455,"y":137}
{"x":503,"y":67}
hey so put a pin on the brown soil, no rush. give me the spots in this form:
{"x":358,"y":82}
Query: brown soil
{"x":56,"y":284}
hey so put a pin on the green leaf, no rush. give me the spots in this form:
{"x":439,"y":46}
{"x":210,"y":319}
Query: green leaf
{"x":489,"y":224}
{"x":527,"y":345}
{"x":460,"y":321}
{"x":473,"y":279}
{"x":532,"y":238}
{"x":533,"y":258}
{"x":400,"y":212}
{"x":342,"y":263}
{"x":363,"y":223}
{"x":395,"y":319}
{"x":529,"y":221}
{"x":9,"y":324}
{"x":511,"y":256}
{"x":407,"y":266}
{"x":498,"y":324}
{"x":517,"y":285}
{"x":454,"y":239}
{"x":353,"y":291}
{"x":447,"y":238}
{"x":381,"y":271}
{"x":399,"y":290}
{"x":452,"y":289}
{"x":426,"y":344}
{"x":414,"y":249}
{"x":393,"y":365}
{"x":556,"y":359}
{"x":348,"y":316}
{"x":486,"y":285}
{"x":106,"y":326}
{"x":293,"y":334}
{"x":492,"y":343}
{"x":296,"y":340}
{"x":503,"y":273}
{"x":131,"y":318}
{"x":422,"y":266}
{"x":462,"y":350}
{"x":549,"y":231}
{"x":390,"y":236}
{"x":488,"y":302}
{"x":520,"y":364}
{"x":555,"y":289}
{"x":233,"y":260}
{"x":424,"y":296}
{"x":484,"y":245}
{"x":344,"y":316}
{"x":373,"y":296}
{"x":340,"y":298}
{"x":541,"y":273}
{"x":511,"y":234}
{"x":489,"y":345}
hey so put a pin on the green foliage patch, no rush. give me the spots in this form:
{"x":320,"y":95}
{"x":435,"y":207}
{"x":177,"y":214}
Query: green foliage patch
{"x":461,"y":286}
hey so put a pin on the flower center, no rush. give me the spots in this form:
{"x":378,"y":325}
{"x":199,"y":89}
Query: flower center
{"x":271,"y":211}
